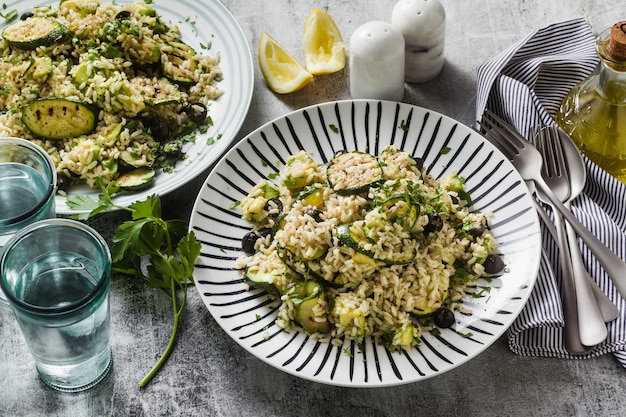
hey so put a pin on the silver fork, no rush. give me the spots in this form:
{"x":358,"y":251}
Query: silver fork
{"x":528,"y":161}
{"x":591,"y":327}
{"x":566,"y":155}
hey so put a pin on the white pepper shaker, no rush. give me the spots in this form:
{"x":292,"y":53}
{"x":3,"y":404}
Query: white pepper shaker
{"x":377,"y":62}
{"x":423,"y":24}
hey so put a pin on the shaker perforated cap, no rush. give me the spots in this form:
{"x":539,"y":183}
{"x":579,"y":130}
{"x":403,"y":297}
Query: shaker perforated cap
{"x":617,"y":43}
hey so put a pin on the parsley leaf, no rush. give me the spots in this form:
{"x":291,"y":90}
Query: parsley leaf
{"x":160,"y":252}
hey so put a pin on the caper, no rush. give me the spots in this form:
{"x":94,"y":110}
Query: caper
{"x":444,"y":318}
{"x":493,"y":264}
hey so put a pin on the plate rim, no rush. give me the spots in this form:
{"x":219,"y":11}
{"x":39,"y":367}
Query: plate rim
{"x":502,"y":330}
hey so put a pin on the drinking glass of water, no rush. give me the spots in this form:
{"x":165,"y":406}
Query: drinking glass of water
{"x":27,"y":187}
{"x":55,"y":274}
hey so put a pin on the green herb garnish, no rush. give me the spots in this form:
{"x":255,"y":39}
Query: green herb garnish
{"x":165,"y":248}
{"x":10,"y":15}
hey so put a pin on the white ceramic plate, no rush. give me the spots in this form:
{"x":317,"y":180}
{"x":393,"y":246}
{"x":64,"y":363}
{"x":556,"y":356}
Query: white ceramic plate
{"x":206,"y":22}
{"x":446,"y":146}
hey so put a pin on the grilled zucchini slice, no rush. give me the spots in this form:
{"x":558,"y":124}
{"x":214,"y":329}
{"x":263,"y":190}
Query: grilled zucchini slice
{"x":59,"y":118}
{"x":28,"y":34}
{"x":266,"y":272}
{"x":38,"y":68}
{"x":306,"y":295}
{"x":353,"y":172}
{"x":177,"y":62}
{"x":137,"y":179}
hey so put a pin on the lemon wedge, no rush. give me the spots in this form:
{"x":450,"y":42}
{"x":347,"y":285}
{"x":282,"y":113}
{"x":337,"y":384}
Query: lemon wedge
{"x":324,"y":49}
{"x":282,"y":73}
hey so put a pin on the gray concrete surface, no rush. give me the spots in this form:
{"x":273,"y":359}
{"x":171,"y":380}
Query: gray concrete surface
{"x":210,"y":375}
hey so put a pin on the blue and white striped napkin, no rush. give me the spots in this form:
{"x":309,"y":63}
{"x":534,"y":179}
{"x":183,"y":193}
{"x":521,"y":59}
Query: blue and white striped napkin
{"x":525,"y":86}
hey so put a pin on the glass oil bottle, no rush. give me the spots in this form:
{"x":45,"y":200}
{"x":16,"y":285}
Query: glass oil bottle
{"x":594,"y":112}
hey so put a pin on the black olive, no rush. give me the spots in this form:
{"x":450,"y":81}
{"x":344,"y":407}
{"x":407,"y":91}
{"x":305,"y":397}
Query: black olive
{"x":161,"y":132}
{"x":265,"y":232}
{"x":249,"y":241}
{"x":493,"y":264}
{"x":26,"y":15}
{"x":123,"y":15}
{"x":63,"y":182}
{"x":419,"y":162}
{"x":454,"y":199}
{"x":435,"y":224}
{"x":149,"y":120}
{"x":273,"y":204}
{"x":173,"y":148}
{"x":197,"y":112}
{"x":443,"y":318}
{"x":315,"y":214}
{"x":477,"y":231}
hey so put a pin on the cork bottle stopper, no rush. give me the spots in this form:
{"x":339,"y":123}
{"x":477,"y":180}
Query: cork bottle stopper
{"x":617,"y":43}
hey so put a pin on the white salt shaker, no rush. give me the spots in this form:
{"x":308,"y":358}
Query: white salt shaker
{"x":423,"y":24}
{"x":377,"y":62}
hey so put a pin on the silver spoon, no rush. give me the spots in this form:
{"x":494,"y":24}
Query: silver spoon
{"x":578,"y":177}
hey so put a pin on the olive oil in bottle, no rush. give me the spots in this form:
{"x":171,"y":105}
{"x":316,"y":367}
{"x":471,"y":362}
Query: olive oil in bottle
{"x":594,"y":112}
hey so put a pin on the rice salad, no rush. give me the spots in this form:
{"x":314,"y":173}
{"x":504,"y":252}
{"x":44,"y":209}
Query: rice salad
{"x":106,"y":89}
{"x":365,"y":245}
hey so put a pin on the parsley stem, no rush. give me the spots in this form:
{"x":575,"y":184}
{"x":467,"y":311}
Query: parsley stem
{"x":170,"y":345}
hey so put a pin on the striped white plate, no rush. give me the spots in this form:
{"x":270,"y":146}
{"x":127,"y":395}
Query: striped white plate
{"x":446,"y":146}
{"x":205,"y":22}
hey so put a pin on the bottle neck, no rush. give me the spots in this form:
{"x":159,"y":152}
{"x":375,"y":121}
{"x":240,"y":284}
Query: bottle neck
{"x":612,"y":77}
{"x":613,"y":83}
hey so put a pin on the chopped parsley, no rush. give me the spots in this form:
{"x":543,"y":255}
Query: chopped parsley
{"x":482,"y":292}
{"x":10,"y":15}
{"x":213,"y":139}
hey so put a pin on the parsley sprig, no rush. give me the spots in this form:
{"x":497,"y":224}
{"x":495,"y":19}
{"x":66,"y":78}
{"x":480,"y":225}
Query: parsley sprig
{"x":160,"y":252}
